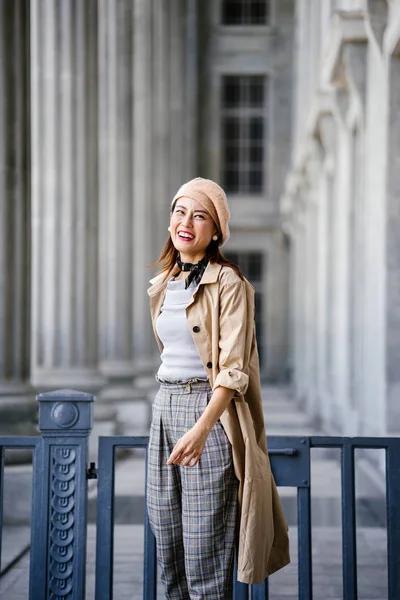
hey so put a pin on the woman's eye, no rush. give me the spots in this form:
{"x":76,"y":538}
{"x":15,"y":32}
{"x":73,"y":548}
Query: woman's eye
{"x":178,"y":210}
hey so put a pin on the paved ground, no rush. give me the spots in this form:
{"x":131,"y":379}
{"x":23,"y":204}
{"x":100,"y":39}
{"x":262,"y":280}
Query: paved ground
{"x":281,"y":418}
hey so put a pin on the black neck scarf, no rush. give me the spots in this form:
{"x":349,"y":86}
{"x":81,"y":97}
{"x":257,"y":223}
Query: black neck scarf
{"x":196,"y":270}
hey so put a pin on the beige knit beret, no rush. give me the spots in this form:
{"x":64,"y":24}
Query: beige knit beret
{"x":212,"y":197}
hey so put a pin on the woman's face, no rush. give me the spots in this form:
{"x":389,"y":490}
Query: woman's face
{"x":190,"y":217}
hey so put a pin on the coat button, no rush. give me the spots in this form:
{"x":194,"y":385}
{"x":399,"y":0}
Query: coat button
{"x":209,"y":365}
{"x":196,"y":328}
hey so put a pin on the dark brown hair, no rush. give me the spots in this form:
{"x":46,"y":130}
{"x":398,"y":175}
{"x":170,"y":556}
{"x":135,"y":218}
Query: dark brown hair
{"x":169,"y":255}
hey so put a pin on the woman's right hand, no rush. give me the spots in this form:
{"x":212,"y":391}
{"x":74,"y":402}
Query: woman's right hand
{"x":189,"y":448}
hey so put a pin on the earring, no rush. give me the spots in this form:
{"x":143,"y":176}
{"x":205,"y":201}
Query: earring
{"x":169,"y":228}
{"x":215,"y":237}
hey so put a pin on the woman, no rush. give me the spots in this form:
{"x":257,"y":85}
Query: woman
{"x":209,"y":485}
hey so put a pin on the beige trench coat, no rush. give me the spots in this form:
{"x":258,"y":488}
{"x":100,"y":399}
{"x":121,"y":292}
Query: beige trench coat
{"x":222,"y":306}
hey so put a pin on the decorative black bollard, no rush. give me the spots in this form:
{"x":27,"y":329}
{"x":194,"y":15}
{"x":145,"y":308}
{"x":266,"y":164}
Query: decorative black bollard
{"x":58,"y":549}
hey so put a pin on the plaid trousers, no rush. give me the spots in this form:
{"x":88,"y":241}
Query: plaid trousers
{"x":192,"y":510}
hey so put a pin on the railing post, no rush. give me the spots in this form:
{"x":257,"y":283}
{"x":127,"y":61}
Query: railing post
{"x":58,"y":548}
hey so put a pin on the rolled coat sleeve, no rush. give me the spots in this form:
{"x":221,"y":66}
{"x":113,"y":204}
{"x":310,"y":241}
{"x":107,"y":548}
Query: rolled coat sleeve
{"x":232,"y":337}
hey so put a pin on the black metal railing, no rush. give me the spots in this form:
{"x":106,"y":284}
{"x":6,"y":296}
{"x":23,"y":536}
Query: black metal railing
{"x":59,"y":503}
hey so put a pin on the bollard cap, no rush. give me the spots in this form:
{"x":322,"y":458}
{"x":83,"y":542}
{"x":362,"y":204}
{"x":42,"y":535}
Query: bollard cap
{"x":66,"y":394}
{"x":65,"y":412}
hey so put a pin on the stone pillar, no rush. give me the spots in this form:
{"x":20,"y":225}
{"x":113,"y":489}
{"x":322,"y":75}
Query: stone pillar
{"x":322,"y":229}
{"x":314,"y":168}
{"x":116,"y":211}
{"x":278,"y":307}
{"x":64,"y":194}
{"x":303,"y":270}
{"x":300,"y":297}
{"x":392,"y":338}
{"x":290,"y":242}
{"x":17,"y":406}
{"x":144,"y":206}
{"x":327,"y":132}
{"x":191,"y":96}
{"x":175,"y":76}
{"x":356,"y":278}
{"x":161,"y":125}
{"x":309,"y":251}
{"x":295,"y":302}
{"x":177,"y":94}
{"x":340,"y":358}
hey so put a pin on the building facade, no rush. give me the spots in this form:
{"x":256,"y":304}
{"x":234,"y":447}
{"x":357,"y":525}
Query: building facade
{"x":341,"y":201}
{"x":107,"y":107}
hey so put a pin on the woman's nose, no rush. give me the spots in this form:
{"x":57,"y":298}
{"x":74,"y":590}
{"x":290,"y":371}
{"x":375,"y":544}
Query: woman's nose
{"x":187,"y":219}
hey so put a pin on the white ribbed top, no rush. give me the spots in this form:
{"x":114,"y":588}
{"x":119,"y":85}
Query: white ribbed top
{"x":180,"y":358}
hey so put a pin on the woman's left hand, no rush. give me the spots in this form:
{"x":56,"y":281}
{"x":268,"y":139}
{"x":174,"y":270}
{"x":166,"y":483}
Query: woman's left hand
{"x":188,"y":449}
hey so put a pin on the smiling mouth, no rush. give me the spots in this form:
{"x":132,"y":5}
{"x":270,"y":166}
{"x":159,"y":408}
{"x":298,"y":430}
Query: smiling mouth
{"x":185,"y":237}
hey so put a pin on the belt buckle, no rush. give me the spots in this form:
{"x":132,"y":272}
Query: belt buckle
{"x":188,"y":388}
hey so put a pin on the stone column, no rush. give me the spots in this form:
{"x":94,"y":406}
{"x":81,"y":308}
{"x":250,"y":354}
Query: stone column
{"x":327,"y":132}
{"x":294,"y":296}
{"x":161,"y":125}
{"x":145,"y":237}
{"x":302,"y":218}
{"x":278,"y":307}
{"x":116,"y":211}
{"x":314,"y":168}
{"x":322,"y":231}
{"x":294,"y":302}
{"x":17,"y":406}
{"x":392,"y":337}
{"x":177,"y":94}
{"x":301,"y":273}
{"x":175,"y":76}
{"x":340,"y":357}
{"x":309,"y":233}
{"x":191,"y":96}
{"x":289,"y":232}
{"x":64,"y":194}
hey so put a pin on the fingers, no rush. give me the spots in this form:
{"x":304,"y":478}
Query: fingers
{"x":187,"y":450}
{"x":185,"y":460}
{"x":190,"y":461}
{"x":184,"y":457}
{"x":193,"y":461}
{"x":177,"y":454}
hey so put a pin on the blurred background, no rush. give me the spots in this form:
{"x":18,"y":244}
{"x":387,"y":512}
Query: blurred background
{"x":108,"y":106}
{"x":293,"y":106}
